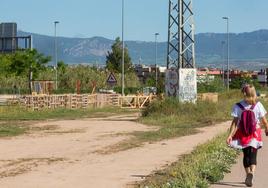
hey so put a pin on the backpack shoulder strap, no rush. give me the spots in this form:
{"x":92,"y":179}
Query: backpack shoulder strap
{"x":253,"y":106}
{"x":241,"y":106}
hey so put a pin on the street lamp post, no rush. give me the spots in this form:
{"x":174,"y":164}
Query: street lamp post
{"x":56,"y":53}
{"x":156,"y":80}
{"x":228,"y":51}
{"x":223,"y":58}
{"x":123,"y":51}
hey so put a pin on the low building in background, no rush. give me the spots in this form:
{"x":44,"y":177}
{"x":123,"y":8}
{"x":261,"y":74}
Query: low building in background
{"x":208,"y":75}
{"x":145,"y":71}
{"x":204,"y":74}
{"x":262,"y":77}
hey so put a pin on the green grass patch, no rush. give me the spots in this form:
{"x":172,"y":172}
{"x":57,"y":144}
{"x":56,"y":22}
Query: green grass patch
{"x":176,"y":119}
{"x":8,"y":129}
{"x":19,"y":113}
{"x":205,"y":165}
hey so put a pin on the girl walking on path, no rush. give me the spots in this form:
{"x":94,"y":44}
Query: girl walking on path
{"x":245,"y":131}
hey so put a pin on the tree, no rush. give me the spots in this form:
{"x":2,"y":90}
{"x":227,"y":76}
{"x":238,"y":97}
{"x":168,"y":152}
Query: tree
{"x":5,"y":62}
{"x":114,"y":58}
{"x":28,"y":62}
{"x":62,"y":67}
{"x":237,"y":83}
{"x":151,"y":82}
{"x":215,"y":85}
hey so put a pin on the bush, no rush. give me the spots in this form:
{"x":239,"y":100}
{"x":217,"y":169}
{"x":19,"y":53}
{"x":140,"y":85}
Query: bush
{"x":238,"y":82}
{"x":13,"y":91}
{"x":128,"y":90}
{"x":206,"y":164}
{"x":214,"y":86}
{"x":201,"y":113}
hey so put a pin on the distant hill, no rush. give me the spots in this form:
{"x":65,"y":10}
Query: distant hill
{"x":210,"y":48}
{"x":244,"y":47}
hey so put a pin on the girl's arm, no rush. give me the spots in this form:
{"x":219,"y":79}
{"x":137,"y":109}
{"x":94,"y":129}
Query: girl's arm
{"x":265,"y":124}
{"x":233,"y":129}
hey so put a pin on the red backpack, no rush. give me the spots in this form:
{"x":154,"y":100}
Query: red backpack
{"x":247,"y":123}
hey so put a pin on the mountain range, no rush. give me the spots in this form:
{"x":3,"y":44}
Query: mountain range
{"x":250,"y":48}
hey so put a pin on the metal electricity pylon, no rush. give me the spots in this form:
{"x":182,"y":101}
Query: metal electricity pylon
{"x":181,"y":48}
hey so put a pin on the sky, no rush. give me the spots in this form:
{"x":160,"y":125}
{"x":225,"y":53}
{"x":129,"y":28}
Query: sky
{"x":143,"y":18}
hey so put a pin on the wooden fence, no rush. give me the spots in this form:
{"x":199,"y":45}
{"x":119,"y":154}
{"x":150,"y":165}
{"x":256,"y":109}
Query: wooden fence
{"x":39,"y":102}
{"x":135,"y":101}
{"x":74,"y":101}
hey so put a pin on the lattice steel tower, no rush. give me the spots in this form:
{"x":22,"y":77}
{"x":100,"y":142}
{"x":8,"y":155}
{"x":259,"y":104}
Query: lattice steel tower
{"x":181,"y":48}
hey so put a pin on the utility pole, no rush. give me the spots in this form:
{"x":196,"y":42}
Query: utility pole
{"x":223,"y":58}
{"x":156,"y":79}
{"x":123,"y":51}
{"x":56,"y":53}
{"x":228,"y":51}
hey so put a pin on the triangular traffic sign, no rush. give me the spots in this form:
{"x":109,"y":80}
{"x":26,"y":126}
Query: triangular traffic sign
{"x":111,"y":79}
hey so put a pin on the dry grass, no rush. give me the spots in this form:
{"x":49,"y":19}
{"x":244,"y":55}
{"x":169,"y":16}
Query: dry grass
{"x":16,"y":167}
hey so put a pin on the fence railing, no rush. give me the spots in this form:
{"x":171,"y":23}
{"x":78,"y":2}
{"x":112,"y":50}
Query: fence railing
{"x":135,"y":101}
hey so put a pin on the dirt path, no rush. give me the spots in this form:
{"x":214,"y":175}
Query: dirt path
{"x":237,"y":177}
{"x":63,"y":155}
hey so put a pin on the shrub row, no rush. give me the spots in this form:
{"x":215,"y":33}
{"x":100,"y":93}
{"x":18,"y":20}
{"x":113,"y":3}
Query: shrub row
{"x":170,"y":112}
{"x":205,"y":165}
